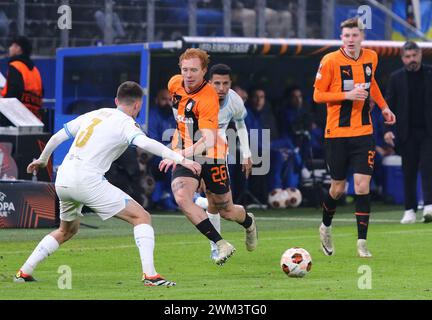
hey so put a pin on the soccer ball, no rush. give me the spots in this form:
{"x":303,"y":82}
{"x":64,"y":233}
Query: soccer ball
{"x":294,"y":197}
{"x":278,"y":198}
{"x":296,"y":262}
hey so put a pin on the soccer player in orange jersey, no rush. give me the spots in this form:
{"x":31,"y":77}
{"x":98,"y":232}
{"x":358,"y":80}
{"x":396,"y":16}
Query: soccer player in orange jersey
{"x":196,"y":109}
{"x":345,"y":81}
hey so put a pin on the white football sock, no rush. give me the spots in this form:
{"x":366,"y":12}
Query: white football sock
{"x":215,"y":221}
{"x":144,"y":239}
{"x":46,"y":247}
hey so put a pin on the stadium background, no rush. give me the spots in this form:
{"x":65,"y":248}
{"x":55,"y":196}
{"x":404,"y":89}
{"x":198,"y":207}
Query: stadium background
{"x":149,"y":23}
{"x":70,"y":90}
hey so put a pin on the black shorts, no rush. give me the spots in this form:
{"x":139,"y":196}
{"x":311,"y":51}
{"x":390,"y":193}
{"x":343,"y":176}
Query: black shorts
{"x":355,"y":152}
{"x":213,"y":172}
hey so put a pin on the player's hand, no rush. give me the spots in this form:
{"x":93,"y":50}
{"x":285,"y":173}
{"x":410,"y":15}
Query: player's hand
{"x":389,"y":138}
{"x":357,"y":94}
{"x":247,"y":167}
{"x":389,"y":116}
{"x":165,"y":164}
{"x":35,"y":166}
{"x":193,"y":166}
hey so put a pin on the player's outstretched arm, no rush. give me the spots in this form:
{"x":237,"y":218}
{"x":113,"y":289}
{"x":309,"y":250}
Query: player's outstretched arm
{"x":170,"y":157}
{"x":51,"y":145}
{"x":157,"y":148}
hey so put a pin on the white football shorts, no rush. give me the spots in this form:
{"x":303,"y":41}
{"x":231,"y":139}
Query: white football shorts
{"x":94,"y":192}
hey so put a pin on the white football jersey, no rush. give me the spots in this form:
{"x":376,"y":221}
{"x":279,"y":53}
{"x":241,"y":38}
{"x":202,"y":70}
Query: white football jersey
{"x":232,"y":108}
{"x":100,"y":137}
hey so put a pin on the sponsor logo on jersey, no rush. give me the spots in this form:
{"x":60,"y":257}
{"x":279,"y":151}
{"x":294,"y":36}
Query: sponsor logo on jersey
{"x":363,"y":85}
{"x":184,"y":119}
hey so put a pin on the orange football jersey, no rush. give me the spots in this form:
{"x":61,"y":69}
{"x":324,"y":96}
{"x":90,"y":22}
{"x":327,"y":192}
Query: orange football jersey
{"x":339,"y":73}
{"x":194,"y":111}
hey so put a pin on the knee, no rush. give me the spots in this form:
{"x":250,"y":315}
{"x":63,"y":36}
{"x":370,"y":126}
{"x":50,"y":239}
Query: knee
{"x":361,"y":187}
{"x":337,"y":190}
{"x":142,"y":217}
{"x":183,"y":200}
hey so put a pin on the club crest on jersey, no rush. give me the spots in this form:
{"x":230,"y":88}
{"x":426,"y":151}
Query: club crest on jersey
{"x":368,"y":71}
{"x":189,"y":105}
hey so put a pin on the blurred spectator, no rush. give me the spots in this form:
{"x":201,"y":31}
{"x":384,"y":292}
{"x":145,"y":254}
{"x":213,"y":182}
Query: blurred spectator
{"x":117,"y":25}
{"x":241,"y":92}
{"x":246,"y":16}
{"x":4,"y":25}
{"x":297,"y":122}
{"x":278,"y":18}
{"x":161,"y":121}
{"x":23,"y":79}
{"x":260,"y":117}
{"x":209,"y":15}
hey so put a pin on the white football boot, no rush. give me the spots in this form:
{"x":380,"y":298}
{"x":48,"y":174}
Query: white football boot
{"x":225,"y":250}
{"x":251,"y":234}
{"x":362,"y":249}
{"x":326,"y":240}
{"x":408,"y":217}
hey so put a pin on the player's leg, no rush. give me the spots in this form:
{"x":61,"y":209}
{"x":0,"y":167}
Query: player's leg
{"x":214,"y":217}
{"x":184,"y":185}
{"x":69,"y":225}
{"x":217,"y":182}
{"x":212,"y":214}
{"x":107,"y":201}
{"x":363,"y":208}
{"x":410,"y":162}
{"x":337,"y":163}
{"x":137,"y":216}
{"x":362,"y":158}
{"x":223,"y":203}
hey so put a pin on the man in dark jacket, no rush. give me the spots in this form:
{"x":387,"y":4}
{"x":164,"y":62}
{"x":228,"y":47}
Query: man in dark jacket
{"x":409,"y":93}
{"x":23,"y":80}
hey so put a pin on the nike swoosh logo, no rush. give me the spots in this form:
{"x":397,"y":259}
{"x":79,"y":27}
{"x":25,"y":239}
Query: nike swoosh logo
{"x":325,"y":249}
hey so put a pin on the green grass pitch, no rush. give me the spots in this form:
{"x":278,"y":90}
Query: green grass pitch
{"x":105,"y":262}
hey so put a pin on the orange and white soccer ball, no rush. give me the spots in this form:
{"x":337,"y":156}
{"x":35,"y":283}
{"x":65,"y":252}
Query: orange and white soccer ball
{"x":296,"y":262}
{"x":294,"y":197}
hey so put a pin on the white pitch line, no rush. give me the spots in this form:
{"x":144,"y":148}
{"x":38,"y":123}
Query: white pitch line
{"x":290,"y":219}
{"x":195,"y":243}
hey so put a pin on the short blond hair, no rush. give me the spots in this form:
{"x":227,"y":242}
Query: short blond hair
{"x":352,"y":23}
{"x":196,"y":53}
